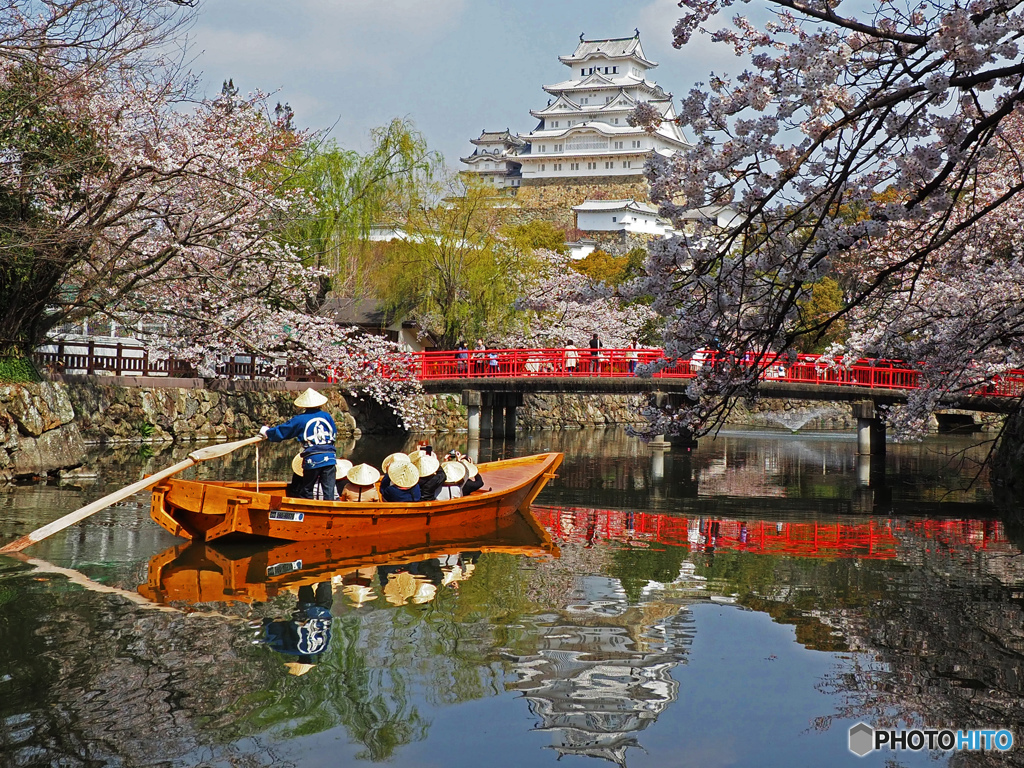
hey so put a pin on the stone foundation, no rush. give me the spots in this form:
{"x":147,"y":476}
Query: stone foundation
{"x":45,"y":427}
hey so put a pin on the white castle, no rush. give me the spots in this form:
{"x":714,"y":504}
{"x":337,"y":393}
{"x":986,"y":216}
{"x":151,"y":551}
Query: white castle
{"x":583,"y":131}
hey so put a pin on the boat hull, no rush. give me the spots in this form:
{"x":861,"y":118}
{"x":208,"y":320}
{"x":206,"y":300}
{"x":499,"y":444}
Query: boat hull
{"x":210,"y":511}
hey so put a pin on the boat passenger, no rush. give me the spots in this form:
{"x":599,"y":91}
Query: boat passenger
{"x":361,"y":485}
{"x":431,"y":475}
{"x":315,"y":429}
{"x":454,"y":476}
{"x":403,"y":483}
{"x":474,"y":480}
{"x":389,"y":460}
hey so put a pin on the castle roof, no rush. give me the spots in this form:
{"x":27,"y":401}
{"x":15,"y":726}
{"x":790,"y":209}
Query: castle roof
{"x":613,"y":48}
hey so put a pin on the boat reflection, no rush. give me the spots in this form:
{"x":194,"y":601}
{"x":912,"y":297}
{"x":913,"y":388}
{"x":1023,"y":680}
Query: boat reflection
{"x":409,"y":566}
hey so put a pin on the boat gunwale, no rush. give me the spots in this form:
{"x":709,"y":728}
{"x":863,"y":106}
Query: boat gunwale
{"x":540,"y":464}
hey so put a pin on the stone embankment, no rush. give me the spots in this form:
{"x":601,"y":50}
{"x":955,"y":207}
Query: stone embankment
{"x":46,"y":426}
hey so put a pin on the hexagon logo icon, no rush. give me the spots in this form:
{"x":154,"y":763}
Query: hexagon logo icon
{"x":862,"y":739}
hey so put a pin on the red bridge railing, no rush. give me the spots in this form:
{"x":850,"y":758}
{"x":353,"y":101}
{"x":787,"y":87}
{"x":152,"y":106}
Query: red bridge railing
{"x":614,"y":363}
{"x":123,"y":359}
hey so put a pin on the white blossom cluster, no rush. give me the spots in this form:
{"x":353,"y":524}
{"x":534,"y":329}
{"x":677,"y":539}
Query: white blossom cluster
{"x":565,"y":306}
{"x":877,"y":144}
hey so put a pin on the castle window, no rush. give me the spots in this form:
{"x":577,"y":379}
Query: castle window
{"x":609,"y":164}
{"x":554,"y":123}
{"x":615,"y":70}
{"x":591,"y":166}
{"x":618,"y":145}
{"x":616,"y":121}
{"x":583,"y":73}
{"x":574,"y":166}
{"x":615,"y":218}
{"x":636,"y":145}
{"x":542,"y":166}
{"x":625,"y":163}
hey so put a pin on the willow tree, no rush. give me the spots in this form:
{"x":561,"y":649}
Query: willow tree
{"x":350,"y":193}
{"x":452,"y":270}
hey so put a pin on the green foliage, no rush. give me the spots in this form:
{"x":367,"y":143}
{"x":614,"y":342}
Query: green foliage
{"x":145,"y":429}
{"x":825,"y":300}
{"x":602,"y":267}
{"x":453,"y":274}
{"x":16,"y":369}
{"x":636,"y":567}
{"x":535,"y":235}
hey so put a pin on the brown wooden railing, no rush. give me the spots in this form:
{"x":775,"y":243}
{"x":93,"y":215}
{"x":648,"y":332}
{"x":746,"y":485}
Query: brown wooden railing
{"x":116,"y":359}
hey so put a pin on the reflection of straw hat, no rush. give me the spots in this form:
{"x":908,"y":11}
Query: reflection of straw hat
{"x":343,"y":466}
{"x":454,"y":471}
{"x":425,"y":592}
{"x":451,"y":573}
{"x":362,"y":474}
{"x":426,"y":463}
{"x":400,"y":588}
{"x":310,"y":399}
{"x":297,"y":464}
{"x":471,"y":470}
{"x":392,"y":459}
{"x":297,"y":668}
{"x":403,"y":474}
{"x":359,"y":593}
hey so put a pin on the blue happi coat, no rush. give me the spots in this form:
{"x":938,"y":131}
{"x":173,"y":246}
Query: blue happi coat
{"x":315,"y":430}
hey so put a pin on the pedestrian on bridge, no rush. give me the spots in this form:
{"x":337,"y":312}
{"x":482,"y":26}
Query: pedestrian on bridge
{"x":595,"y":354}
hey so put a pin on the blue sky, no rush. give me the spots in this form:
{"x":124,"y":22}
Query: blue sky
{"x":454,"y":67}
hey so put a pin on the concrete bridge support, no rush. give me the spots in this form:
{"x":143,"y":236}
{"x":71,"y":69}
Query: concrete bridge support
{"x":491,"y":414}
{"x":870,"y":429}
{"x":684,"y":439}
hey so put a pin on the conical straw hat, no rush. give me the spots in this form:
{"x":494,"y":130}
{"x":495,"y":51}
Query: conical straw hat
{"x":454,"y":471}
{"x":426,"y":463}
{"x":310,"y":399}
{"x":297,"y":464}
{"x":391,"y":459}
{"x":359,"y":593}
{"x":425,"y":592}
{"x":343,"y":466}
{"x":403,"y":474}
{"x":362,"y":474}
{"x":471,"y":469}
{"x":400,"y":588}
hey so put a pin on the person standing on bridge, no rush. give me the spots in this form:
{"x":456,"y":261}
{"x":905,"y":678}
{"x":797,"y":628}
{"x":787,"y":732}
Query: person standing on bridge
{"x":572,"y":358}
{"x":315,"y":429}
{"x":595,"y":354}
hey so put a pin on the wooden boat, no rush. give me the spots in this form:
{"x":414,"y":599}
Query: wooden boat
{"x":201,"y":573}
{"x":204,"y":510}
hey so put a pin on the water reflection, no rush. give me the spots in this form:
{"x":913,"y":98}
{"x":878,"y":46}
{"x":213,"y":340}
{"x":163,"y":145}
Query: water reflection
{"x":751,"y":584}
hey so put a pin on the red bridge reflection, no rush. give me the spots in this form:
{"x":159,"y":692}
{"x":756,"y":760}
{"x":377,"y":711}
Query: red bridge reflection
{"x":873,"y":538}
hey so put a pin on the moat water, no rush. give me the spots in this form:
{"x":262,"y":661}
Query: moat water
{"x":745,"y":604}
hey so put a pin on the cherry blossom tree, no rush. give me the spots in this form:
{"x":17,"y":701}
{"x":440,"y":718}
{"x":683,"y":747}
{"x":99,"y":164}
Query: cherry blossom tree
{"x":878,"y":144}
{"x":119,"y":200}
{"x":564,"y":305}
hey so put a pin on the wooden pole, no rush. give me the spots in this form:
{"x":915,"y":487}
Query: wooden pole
{"x":203,"y":454}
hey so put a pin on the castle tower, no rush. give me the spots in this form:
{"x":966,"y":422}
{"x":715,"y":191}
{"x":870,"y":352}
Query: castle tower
{"x":583,"y":131}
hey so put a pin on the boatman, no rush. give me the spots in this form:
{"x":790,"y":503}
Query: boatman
{"x":315,"y":429}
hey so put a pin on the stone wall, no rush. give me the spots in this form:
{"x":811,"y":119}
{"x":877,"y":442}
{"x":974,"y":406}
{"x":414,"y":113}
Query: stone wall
{"x":45,"y":427}
{"x":554,"y":201}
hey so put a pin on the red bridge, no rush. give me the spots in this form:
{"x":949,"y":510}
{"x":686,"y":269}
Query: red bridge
{"x":532,"y":366}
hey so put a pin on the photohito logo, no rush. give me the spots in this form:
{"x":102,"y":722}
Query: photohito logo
{"x":865,"y":739}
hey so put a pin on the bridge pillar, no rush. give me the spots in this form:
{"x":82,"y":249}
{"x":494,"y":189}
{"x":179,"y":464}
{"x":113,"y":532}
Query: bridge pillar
{"x":512,"y":401}
{"x":471,"y":399}
{"x":658,"y":462}
{"x":494,"y":404}
{"x":870,"y":429}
